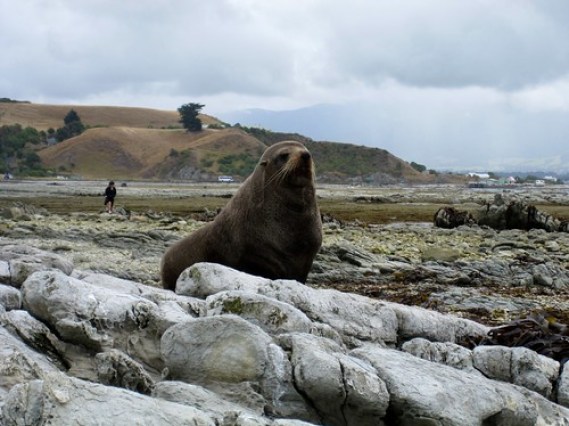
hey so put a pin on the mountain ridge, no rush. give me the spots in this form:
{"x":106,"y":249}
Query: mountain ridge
{"x":143,"y":143}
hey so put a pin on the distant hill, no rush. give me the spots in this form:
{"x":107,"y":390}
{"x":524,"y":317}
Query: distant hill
{"x":348,"y":163}
{"x":131,"y":153}
{"x":143,"y":143}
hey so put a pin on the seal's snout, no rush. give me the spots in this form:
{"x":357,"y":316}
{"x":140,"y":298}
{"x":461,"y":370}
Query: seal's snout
{"x":304,"y":163}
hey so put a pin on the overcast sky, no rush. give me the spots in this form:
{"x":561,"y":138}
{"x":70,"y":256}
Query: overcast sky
{"x":452,"y":84}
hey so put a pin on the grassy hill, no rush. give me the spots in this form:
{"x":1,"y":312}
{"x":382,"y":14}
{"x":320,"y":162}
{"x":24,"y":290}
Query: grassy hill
{"x":342,"y":162}
{"x":143,"y":143}
{"x":131,"y":153}
{"x":43,"y":116}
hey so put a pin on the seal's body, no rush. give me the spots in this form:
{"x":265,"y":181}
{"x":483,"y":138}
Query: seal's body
{"x":271,"y":227}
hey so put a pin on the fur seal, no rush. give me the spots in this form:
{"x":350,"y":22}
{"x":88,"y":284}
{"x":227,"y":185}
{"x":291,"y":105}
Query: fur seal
{"x":271,"y":227}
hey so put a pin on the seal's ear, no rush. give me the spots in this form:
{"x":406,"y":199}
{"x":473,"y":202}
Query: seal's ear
{"x":263,"y":163}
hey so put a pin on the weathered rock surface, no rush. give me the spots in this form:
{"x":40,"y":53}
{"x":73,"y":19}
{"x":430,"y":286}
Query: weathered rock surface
{"x":81,"y":317}
{"x":477,"y":272}
{"x":234,"y":349}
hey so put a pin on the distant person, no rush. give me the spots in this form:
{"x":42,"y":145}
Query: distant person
{"x":110,"y":194}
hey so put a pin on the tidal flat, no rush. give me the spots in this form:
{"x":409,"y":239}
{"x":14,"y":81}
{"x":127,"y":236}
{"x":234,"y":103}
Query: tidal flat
{"x":368,"y":204}
{"x":378,"y":241}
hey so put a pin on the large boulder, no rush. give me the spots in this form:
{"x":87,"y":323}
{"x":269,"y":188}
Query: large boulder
{"x":99,"y":318}
{"x":344,"y":390}
{"x":424,"y":392}
{"x":24,"y":260}
{"x":19,"y":363}
{"x":273,"y":316}
{"x":355,"y":318}
{"x":518,"y":365}
{"x":227,"y":350}
{"x":63,"y":400}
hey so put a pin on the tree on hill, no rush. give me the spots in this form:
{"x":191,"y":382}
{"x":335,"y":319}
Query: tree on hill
{"x":16,"y":152}
{"x":72,"y":126}
{"x":419,"y":167}
{"x":71,"y":117}
{"x":189,"y":116}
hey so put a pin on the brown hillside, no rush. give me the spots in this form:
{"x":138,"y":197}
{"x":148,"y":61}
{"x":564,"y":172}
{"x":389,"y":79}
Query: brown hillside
{"x":143,"y":143}
{"x":42,"y":117}
{"x":130,"y":153}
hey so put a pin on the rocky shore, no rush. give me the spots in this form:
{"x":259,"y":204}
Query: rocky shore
{"x":85,"y":324}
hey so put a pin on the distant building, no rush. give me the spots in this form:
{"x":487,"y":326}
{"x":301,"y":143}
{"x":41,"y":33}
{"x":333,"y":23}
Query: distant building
{"x":479,"y":175}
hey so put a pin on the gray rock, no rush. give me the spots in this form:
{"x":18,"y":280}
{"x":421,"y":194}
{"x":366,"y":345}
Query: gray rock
{"x":199,"y":398}
{"x":68,"y":401}
{"x":229,"y":350}
{"x":36,"y":335}
{"x":563,"y":386}
{"x":19,"y":363}
{"x":518,"y":365}
{"x":205,"y":279}
{"x":440,"y":254}
{"x":344,"y":390}
{"x":423,"y":392}
{"x":14,"y":213}
{"x":223,"y":411}
{"x":353,"y":255}
{"x":446,"y":353}
{"x":10,"y":297}
{"x":4,"y":272}
{"x":115,"y":368}
{"x":353,"y":317}
{"x":165,"y":299}
{"x":225,"y":349}
{"x":494,"y":362}
{"x":273,"y":316}
{"x":25,"y":260}
{"x":98,"y":318}
{"x":431,"y":325}
{"x":356,"y":318}
{"x":264,"y":349}
{"x":533,"y":371}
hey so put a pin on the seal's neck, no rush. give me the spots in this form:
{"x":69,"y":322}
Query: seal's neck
{"x":296,"y":199}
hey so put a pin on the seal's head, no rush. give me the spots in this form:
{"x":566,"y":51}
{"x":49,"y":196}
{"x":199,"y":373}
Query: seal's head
{"x":288,"y":163}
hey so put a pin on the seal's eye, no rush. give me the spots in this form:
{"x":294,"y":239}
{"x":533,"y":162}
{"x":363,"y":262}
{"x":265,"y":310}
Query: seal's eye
{"x":283,"y":158}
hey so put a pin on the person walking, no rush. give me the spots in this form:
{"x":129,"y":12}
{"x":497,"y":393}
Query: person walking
{"x":110,"y":194}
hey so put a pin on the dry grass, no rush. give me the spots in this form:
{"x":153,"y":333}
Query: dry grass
{"x":42,"y":117}
{"x":133,"y":153}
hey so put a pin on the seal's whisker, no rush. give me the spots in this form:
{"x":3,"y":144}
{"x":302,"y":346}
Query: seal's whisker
{"x":275,"y":177}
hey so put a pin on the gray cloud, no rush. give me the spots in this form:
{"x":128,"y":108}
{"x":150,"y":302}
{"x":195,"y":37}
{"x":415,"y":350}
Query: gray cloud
{"x":446,"y":43}
{"x":422,"y":79}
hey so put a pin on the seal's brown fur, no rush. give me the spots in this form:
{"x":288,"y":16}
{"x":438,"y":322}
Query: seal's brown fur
{"x":271,"y":227}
